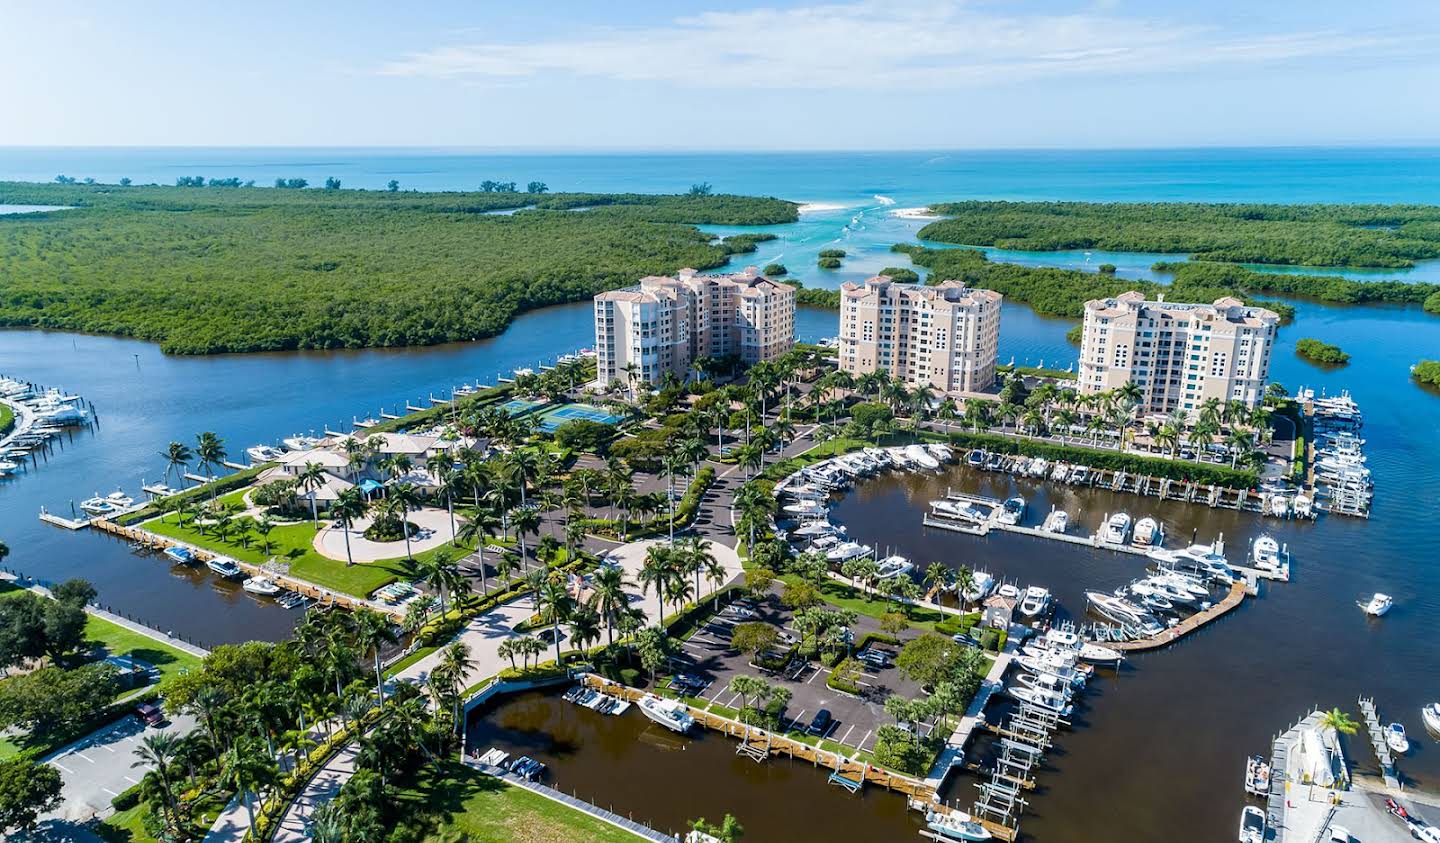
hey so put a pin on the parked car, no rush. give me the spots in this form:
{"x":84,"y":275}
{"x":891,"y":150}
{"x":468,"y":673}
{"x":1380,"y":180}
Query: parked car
{"x":150,"y":714}
{"x":820,"y":725}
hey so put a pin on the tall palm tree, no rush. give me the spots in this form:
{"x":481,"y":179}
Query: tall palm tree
{"x":584,"y":627}
{"x":555,"y":603}
{"x":526,"y":521}
{"x":176,"y":455}
{"x":348,"y":508}
{"x":246,"y":767}
{"x":442,"y":574}
{"x":522,"y":465}
{"x":157,"y":751}
{"x":655,"y":572}
{"x":372,"y":632}
{"x":455,"y":659}
{"x":674,"y":463}
{"x":210,"y":449}
{"x":310,"y":479}
{"x":608,"y":597}
{"x":405,"y":498}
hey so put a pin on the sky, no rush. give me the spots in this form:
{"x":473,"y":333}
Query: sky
{"x":705,"y":74}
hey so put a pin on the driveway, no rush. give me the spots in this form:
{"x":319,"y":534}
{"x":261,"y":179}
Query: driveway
{"x":97,"y":768}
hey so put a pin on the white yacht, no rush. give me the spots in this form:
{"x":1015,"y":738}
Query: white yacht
{"x":1378,"y":605}
{"x":1431,"y":715}
{"x":1009,"y":592}
{"x":940,"y":452}
{"x":1065,"y":639}
{"x":1268,"y":555}
{"x":224,"y":567}
{"x":956,"y":825}
{"x":817,"y":528}
{"x":981,"y":582}
{"x":1035,"y":602}
{"x":921,"y":457}
{"x":1148,"y":533}
{"x":1114,"y":608}
{"x":180,"y":555}
{"x":263,"y":586}
{"x":672,"y":714}
{"x":97,"y":505}
{"x":119,"y":500}
{"x":264,"y":453}
{"x":893,"y":566}
{"x":846,"y":551}
{"x":957,"y":509}
{"x":1057,"y":703}
{"x":1395,"y":739}
{"x":805,"y":508}
{"x":1058,"y":521}
{"x":1117,"y":529}
{"x":1011,"y":511}
{"x":301,"y":443}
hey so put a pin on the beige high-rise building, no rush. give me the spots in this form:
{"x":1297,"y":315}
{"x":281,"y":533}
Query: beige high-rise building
{"x":1179,"y":355}
{"x":945,"y":337}
{"x":663,"y":324}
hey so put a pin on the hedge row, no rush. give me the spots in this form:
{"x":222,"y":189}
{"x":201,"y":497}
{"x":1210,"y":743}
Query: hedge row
{"x":1215,"y":475}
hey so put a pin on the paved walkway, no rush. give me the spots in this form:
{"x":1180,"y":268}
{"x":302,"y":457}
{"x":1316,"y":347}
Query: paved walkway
{"x":330,"y":541}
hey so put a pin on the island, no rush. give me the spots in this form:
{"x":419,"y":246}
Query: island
{"x":1321,"y":352}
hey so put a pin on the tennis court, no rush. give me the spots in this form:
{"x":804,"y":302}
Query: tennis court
{"x":519,"y":407}
{"x":551,"y":420}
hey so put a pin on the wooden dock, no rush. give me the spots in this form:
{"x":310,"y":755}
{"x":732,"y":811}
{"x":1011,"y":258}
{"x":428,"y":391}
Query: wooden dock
{"x":1232,"y":599}
{"x":754,"y":738}
{"x":60,"y":521}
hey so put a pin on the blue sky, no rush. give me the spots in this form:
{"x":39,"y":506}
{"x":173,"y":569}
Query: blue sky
{"x":720,"y":75}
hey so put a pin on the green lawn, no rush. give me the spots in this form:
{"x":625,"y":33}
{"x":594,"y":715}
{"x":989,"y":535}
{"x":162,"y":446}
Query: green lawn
{"x":292,"y":543}
{"x":125,"y":826}
{"x":7,"y":419}
{"x":843,"y":596}
{"x":462,"y":801}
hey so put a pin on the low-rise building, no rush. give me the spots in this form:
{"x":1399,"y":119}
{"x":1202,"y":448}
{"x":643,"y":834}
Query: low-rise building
{"x":946,"y":336}
{"x":1179,"y":355}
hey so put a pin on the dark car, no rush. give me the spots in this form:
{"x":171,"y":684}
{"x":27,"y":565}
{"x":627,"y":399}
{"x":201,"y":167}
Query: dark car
{"x":820,"y":725}
{"x":151,"y":714}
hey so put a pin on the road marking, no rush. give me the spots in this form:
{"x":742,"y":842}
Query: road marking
{"x":78,"y":755}
{"x":109,"y":791}
{"x":863,"y":741}
{"x":731,"y":704}
{"x":132,"y":780}
{"x":847,"y":732}
{"x":718,"y":692}
{"x":818,"y":671}
{"x":63,"y":767}
{"x":797,"y":718}
{"x":106,"y":748}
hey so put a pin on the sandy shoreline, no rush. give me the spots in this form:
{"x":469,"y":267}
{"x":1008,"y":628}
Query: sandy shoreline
{"x":915,"y":214}
{"x":814,"y":207}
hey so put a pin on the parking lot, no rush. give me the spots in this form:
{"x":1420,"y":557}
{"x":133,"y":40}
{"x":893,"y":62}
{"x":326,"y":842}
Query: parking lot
{"x":707,"y":655}
{"x":98,"y":768}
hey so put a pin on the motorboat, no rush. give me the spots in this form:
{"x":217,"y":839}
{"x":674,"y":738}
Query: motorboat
{"x":975,"y":458}
{"x":805,"y":508}
{"x":817,"y":528}
{"x":1378,"y":605}
{"x":1080,"y":475}
{"x":1431,"y":715}
{"x":6,"y":466}
{"x":1395,"y":739}
{"x":119,"y":500}
{"x":1044,"y":699}
{"x":1180,"y":587}
{"x":1038,"y":659}
{"x":1268,"y":555}
{"x":672,"y":714}
{"x":1035,"y":602}
{"x":1156,"y":603}
{"x":263,"y":586}
{"x":1257,"y":776}
{"x":1065,"y":638}
{"x":1252,"y":825}
{"x":1117,"y":529}
{"x":1060,"y":472}
{"x":180,"y":555}
{"x":957,"y":509}
{"x":1058,"y":521}
{"x":264,"y":453}
{"x":921,"y":457}
{"x":1061,"y":686}
{"x":1279,"y":505}
{"x":893,"y":566}
{"x":1011,"y":511}
{"x":1148,"y":533}
{"x":956,"y":825}
{"x":808,"y":493}
{"x":97,"y":505}
{"x":981,"y":582}
{"x":1114,"y":608}
{"x":224,"y":567}
{"x":940,"y":452}
{"x":1009,"y":592}
{"x":301,"y":443}
{"x":846,"y":551}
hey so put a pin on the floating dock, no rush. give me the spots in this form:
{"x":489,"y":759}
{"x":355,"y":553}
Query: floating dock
{"x":1234,"y":598}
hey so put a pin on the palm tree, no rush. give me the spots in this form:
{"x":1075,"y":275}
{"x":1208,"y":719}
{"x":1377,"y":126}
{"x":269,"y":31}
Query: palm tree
{"x":674,"y":463}
{"x":348,"y":508}
{"x":405,"y":498}
{"x":947,"y":412}
{"x":655,"y":573}
{"x":608,"y":597}
{"x":310,"y":480}
{"x":1339,"y":721}
{"x":964,"y":581}
{"x":526,"y":521}
{"x":442,"y":574}
{"x":455,"y":660}
{"x":584,"y":626}
{"x":522,"y":465}
{"x":176,"y":455}
{"x":441,"y":466}
{"x":246,"y":767}
{"x":210,"y":449}
{"x":372,"y":632}
{"x":158,"y":751}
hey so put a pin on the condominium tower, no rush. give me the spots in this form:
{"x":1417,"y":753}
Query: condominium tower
{"x":663,"y":324}
{"x":1179,"y":355}
{"x":945,"y":337}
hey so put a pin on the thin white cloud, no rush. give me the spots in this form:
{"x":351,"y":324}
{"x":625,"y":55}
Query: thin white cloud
{"x":873,"y":45}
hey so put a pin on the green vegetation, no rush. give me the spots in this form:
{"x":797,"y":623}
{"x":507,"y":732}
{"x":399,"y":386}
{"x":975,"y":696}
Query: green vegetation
{"x":456,"y":802}
{"x":832,"y":253}
{"x":7,"y":419}
{"x":815,"y":297}
{"x":27,"y":789}
{"x":900,"y":274}
{"x":740,"y":244}
{"x":203,"y":270}
{"x":828,"y":263}
{"x":1075,"y":335}
{"x":774,"y":270}
{"x":1036,"y":372}
{"x":1427,"y":372}
{"x":1311,"y":235}
{"x":1321,"y":352}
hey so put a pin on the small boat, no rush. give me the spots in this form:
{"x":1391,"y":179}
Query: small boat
{"x":1058,"y":521}
{"x":893,"y":566}
{"x":1268,"y":555}
{"x":957,"y":509}
{"x":921,"y":457}
{"x":1396,"y":739}
{"x":817,"y":528}
{"x":981,"y":582}
{"x":1044,"y":699}
{"x":1009,"y":592}
{"x":1011,"y":511}
{"x":1252,"y":825}
{"x":1431,"y":715}
{"x":975,"y":458}
{"x":301,"y":443}
{"x":1061,"y":685}
{"x":1035,"y":602}
{"x":1378,"y":605}
{"x":1257,"y":776}
{"x":97,"y":506}
{"x":805,"y":508}
{"x":956,"y":826}
{"x":1080,"y":475}
{"x":672,"y":714}
{"x":7,"y":466}
{"x":1067,"y":639}
{"x":262,"y":586}
{"x":180,"y":555}
{"x":940,"y":452}
{"x":1117,"y":529}
{"x":846,"y":551}
{"x":1147,"y":532}
{"x":224,"y":567}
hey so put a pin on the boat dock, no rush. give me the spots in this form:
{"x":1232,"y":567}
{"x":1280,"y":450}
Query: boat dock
{"x":1376,"y":733}
{"x":1233,"y":598}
